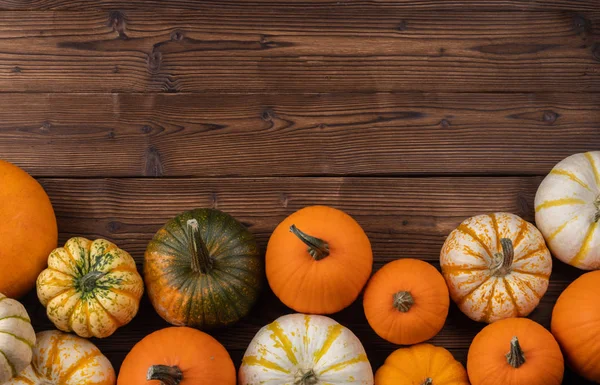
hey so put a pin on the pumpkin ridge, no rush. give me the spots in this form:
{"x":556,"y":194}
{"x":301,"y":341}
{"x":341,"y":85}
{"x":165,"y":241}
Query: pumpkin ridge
{"x":70,"y":276}
{"x":13,"y":370}
{"x":492,"y":217}
{"x":559,"y":202}
{"x":537,"y":275}
{"x":286,"y":345}
{"x":528,"y":284}
{"x":488,"y":307}
{"x":109,"y":314}
{"x":72,"y":313}
{"x":255,"y":361}
{"x":571,"y":176}
{"x":468,"y":231}
{"x":585,"y":246}
{"x":16,"y":317}
{"x":595,"y":169}
{"x":333,"y":332}
{"x":19,"y":338}
{"x":81,"y":362}
{"x":560,"y":228}
{"x":521,"y":234}
{"x":240,"y":280}
{"x":466,"y":296}
{"x":225,"y":247}
{"x":123,"y":293}
{"x":343,"y":364}
{"x":235,"y":304}
{"x":178,"y":240}
{"x":529,"y":254}
{"x":511,"y":295}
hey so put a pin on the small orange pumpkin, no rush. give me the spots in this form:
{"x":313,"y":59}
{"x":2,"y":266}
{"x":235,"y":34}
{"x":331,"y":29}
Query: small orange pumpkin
{"x":318,"y":260}
{"x":177,"y":356}
{"x":422,"y":364}
{"x":406,"y":301}
{"x":575,"y":324}
{"x":515,"y":351}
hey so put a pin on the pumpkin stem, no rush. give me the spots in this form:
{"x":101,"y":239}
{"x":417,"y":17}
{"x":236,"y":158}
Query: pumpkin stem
{"x":428,"y":381}
{"x":403,"y":301}
{"x":507,"y":255}
{"x":87,"y":283}
{"x":597,"y":204}
{"x":167,"y":375}
{"x":201,"y":261}
{"x":515,"y":356}
{"x":317,"y":248}
{"x":308,"y":378}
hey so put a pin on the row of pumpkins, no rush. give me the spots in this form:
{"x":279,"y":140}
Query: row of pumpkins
{"x":203,"y":270}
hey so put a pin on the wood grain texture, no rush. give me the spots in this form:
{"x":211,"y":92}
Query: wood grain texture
{"x":403,"y":217}
{"x":240,"y":49}
{"x":130,"y":135}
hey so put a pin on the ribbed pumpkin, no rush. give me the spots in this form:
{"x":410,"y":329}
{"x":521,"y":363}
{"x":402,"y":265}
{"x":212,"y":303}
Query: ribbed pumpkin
{"x":65,"y":359}
{"x":496,"y":266}
{"x":318,"y":260}
{"x":27,"y":229}
{"x":567,"y":210}
{"x":422,"y":364}
{"x":515,"y":351}
{"x":91,"y":288}
{"x":406,"y":301}
{"x":16,"y":338}
{"x":177,"y":356}
{"x":300,"y":349}
{"x":576,"y":325}
{"x":203,"y":269}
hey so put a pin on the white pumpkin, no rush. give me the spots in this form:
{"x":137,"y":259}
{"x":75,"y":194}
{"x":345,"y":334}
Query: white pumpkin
{"x":65,"y":359}
{"x":300,"y":349}
{"x":496,"y":266}
{"x":16,"y":338}
{"x":567,"y":210}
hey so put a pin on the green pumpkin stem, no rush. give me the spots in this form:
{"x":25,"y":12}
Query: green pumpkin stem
{"x":403,"y":301}
{"x":88,"y":282}
{"x":515,"y":357}
{"x":201,"y":260}
{"x":317,"y":248}
{"x":308,"y":378}
{"x":507,"y":255}
{"x":167,"y":375}
{"x":428,"y":381}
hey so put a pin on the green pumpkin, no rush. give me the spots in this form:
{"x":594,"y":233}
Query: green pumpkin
{"x":203,"y":269}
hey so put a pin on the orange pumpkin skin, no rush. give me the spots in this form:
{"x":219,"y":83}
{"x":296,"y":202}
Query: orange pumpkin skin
{"x":317,"y":280}
{"x":200,"y":358}
{"x":406,"y":301}
{"x":535,"y":355}
{"x":575,"y":325}
{"x":28,"y":230}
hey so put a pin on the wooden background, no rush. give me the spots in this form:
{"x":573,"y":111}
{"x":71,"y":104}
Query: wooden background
{"x":411,"y":115}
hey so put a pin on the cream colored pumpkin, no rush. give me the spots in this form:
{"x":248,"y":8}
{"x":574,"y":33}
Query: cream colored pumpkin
{"x":496,"y":266}
{"x":16,"y":338}
{"x":567,"y":210}
{"x":91,"y":288}
{"x":65,"y":359}
{"x":300,"y":349}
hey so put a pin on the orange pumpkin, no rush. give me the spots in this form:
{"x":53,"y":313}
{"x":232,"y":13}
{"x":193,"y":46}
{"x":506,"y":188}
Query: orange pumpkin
{"x":27,"y":228}
{"x":406,"y":301}
{"x":575,"y":324}
{"x":422,"y":364}
{"x":177,"y":356}
{"x":515,"y":351}
{"x":318,"y":260}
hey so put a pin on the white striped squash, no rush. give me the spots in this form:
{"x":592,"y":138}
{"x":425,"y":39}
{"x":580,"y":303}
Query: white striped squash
{"x":300,"y":349}
{"x":496,"y":266}
{"x":16,"y":338}
{"x":567,"y":210}
{"x":65,"y":359}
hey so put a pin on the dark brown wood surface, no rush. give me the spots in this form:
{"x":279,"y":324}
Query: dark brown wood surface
{"x":411,"y":115}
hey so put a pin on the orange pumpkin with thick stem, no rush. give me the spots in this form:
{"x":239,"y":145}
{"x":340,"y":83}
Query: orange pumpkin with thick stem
{"x":177,"y":356}
{"x":575,"y":324}
{"x":27,"y":228}
{"x":318,"y":260}
{"x":406,"y":301}
{"x":515,"y":351}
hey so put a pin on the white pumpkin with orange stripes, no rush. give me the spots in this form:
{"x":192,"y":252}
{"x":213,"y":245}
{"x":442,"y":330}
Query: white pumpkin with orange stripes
{"x":567,"y":210}
{"x":65,"y":359}
{"x":497,"y":266}
{"x":299,"y":349}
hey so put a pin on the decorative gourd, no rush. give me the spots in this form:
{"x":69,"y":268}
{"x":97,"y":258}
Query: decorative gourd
{"x":203,"y":269}
{"x":318,"y":260}
{"x":16,"y":338}
{"x":515,"y":351}
{"x":575,"y":324}
{"x":567,"y":210}
{"x":406,"y":301}
{"x":177,"y":356}
{"x":305,"y":350}
{"x":91,"y":288}
{"x":422,"y":364}
{"x":65,"y":359}
{"x":27,"y":228}
{"x":496,"y":266}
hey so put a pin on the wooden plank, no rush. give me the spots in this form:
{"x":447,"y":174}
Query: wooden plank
{"x":237,"y":49}
{"x":125,"y":135}
{"x":404,"y":217}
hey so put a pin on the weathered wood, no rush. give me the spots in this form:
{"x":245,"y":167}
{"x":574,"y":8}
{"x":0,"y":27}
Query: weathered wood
{"x":125,"y":135}
{"x":404,"y":217}
{"x":241,"y":49}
